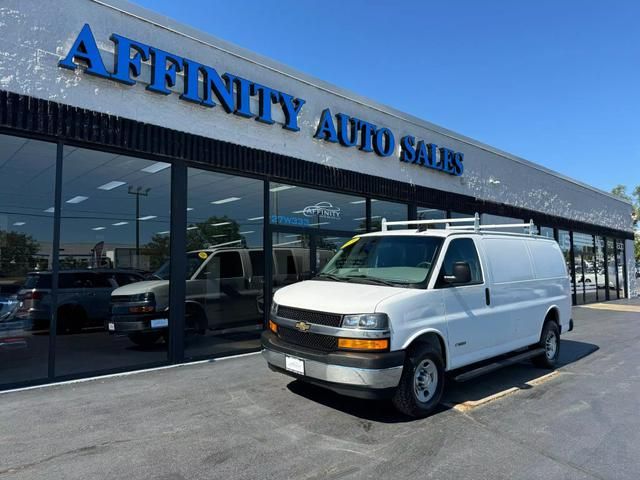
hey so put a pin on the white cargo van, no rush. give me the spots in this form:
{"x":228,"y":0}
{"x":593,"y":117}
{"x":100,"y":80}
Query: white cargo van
{"x":394,"y":310}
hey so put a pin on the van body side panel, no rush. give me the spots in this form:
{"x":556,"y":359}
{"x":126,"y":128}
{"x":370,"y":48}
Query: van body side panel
{"x":413,"y":312}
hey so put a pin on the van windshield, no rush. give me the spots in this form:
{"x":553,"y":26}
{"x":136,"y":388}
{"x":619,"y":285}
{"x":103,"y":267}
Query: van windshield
{"x":390,"y":260}
{"x":194,"y":260}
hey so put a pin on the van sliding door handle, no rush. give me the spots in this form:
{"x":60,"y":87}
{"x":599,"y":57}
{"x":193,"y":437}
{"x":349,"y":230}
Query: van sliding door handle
{"x":487,"y":296}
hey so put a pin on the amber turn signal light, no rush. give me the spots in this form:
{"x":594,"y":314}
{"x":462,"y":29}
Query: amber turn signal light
{"x":273,"y":327}
{"x":362,"y":344}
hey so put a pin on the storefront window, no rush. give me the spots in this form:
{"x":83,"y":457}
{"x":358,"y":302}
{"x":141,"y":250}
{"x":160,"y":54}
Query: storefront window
{"x":600,"y":270}
{"x":612,"y":271}
{"x":225,"y":287}
{"x":488,"y":219}
{"x":114,"y":235}
{"x":432,"y":214}
{"x":564,"y":241}
{"x":621,"y":270}
{"x":310,"y":209}
{"x":546,"y":232}
{"x":585,"y":268}
{"x":27,"y":176}
{"x":391,"y":211}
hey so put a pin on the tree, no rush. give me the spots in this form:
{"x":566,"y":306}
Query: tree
{"x":209,"y":233}
{"x":18,"y":254}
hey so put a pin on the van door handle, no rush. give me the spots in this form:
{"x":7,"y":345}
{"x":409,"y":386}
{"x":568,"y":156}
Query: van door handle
{"x":487,"y":296}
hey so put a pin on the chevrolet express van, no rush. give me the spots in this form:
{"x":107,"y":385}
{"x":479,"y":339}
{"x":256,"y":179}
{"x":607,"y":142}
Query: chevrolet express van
{"x":393,"y":311}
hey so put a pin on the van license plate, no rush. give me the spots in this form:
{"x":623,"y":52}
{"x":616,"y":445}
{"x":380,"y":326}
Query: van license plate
{"x":294,"y":364}
{"x":112,"y":327}
{"x":159,"y":323}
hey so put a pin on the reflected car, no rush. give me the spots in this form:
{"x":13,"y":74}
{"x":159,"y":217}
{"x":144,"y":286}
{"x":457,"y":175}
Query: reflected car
{"x":8,"y":298}
{"x":83,"y":297}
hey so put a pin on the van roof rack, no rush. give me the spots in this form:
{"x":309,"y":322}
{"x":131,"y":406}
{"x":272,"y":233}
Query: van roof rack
{"x":475,"y":220}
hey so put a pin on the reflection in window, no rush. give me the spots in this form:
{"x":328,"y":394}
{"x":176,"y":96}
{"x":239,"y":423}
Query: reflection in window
{"x":584,"y":267}
{"x":27,"y":173}
{"x":225,"y":230}
{"x":390,"y":210}
{"x":564,"y":241}
{"x":546,"y":232}
{"x":620,"y":267}
{"x":114,"y":234}
{"x":316,"y":209}
{"x":431,"y":214}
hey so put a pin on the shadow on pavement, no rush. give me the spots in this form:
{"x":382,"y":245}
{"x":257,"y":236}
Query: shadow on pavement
{"x":517,"y":375}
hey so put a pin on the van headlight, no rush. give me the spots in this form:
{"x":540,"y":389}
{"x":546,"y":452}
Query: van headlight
{"x":366,"y":321}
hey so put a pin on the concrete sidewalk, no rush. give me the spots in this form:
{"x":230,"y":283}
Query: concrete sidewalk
{"x":235,"y":419}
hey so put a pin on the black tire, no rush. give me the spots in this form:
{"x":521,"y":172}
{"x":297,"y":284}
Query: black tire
{"x":144,"y":339}
{"x":71,"y":319}
{"x":548,"y":359}
{"x":407,"y":399}
{"x":196,"y":320}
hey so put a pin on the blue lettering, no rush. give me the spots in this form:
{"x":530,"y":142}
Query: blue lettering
{"x":348,"y":128}
{"x":125,"y":64}
{"x":266,"y":96}
{"x":365,"y":140}
{"x":407,"y":151}
{"x":326,"y":130}
{"x":165,"y":67}
{"x":243,"y":102}
{"x":458,"y":158}
{"x":291,"y":109}
{"x":384,"y":142}
{"x":85,"y":50}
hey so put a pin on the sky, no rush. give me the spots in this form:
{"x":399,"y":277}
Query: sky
{"x":553,"y":81}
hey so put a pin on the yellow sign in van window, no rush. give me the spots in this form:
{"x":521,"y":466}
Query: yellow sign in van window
{"x":350,"y":242}
{"x":203,"y":255}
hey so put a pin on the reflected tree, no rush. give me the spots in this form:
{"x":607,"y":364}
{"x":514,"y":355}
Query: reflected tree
{"x":18,"y":253}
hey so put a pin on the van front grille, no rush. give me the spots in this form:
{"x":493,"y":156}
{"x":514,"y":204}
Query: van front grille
{"x":310,"y":316}
{"x":313,"y":341}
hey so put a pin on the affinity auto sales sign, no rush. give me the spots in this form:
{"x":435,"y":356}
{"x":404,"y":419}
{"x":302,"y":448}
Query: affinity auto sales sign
{"x":233,"y":94}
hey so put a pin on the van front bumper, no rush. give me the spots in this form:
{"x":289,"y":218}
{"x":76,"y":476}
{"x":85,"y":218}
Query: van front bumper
{"x":357,"y":374}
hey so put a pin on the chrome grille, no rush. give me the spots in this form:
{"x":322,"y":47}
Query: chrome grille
{"x":310,"y":316}
{"x":313,"y":341}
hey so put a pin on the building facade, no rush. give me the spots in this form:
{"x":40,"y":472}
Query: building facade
{"x":128,"y":139}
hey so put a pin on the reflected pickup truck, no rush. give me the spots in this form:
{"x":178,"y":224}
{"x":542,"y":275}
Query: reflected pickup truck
{"x":222,"y":287}
{"x":396,"y":310}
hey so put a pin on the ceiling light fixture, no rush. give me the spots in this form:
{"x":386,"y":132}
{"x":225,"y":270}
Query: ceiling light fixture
{"x":19,"y":224}
{"x":111,"y":185}
{"x":77,"y":199}
{"x":148,"y":217}
{"x":220,"y":224}
{"x":226,"y":200}
{"x":255,"y":218}
{"x":119,"y":224}
{"x":98,"y":228}
{"x":281,"y":188}
{"x":156,"y":167}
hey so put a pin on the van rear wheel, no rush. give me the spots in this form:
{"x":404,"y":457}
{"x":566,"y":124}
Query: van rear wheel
{"x":550,"y":341}
{"x":422,"y":382}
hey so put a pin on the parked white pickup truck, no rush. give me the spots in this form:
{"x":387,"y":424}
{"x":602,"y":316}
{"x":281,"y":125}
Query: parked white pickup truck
{"x":394,"y":310}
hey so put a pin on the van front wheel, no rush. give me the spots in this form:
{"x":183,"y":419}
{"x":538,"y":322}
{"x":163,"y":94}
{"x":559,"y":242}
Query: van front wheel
{"x":422,"y":382}
{"x":550,"y":341}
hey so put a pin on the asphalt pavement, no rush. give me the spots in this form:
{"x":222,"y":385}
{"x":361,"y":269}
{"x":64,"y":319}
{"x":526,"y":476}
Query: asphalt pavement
{"x":234,"y":419}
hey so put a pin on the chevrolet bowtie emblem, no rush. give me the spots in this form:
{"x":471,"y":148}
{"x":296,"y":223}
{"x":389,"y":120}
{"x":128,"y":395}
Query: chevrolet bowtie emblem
{"x":303,"y":326}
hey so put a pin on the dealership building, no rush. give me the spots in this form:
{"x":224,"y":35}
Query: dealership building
{"x":128,"y":139}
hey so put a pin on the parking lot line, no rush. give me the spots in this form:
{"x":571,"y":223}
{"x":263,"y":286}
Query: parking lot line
{"x":471,"y":404}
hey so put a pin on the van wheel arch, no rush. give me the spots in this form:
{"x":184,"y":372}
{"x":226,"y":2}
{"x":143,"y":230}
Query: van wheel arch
{"x":433,"y":339}
{"x":553,"y":315}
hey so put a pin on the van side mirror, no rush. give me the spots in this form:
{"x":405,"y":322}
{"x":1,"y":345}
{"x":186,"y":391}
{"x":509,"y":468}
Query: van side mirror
{"x":461,"y":273}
